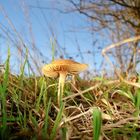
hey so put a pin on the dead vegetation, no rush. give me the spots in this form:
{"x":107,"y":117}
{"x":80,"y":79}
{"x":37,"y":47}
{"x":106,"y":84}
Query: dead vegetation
{"x":27,"y":105}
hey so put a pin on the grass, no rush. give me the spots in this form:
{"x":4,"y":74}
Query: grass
{"x":97,"y":109}
{"x":3,"y":91}
{"x":97,"y":123}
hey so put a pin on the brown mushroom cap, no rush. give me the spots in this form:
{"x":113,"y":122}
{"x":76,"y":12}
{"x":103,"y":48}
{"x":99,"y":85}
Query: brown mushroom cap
{"x":63,"y":65}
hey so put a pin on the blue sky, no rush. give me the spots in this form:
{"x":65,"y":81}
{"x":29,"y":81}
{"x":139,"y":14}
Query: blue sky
{"x":70,"y":29}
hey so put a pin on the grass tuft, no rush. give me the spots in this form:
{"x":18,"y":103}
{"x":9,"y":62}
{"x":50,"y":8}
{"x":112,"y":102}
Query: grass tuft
{"x":29,"y":108}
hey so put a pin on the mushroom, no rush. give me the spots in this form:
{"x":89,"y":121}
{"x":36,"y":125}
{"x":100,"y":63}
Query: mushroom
{"x":61,"y":68}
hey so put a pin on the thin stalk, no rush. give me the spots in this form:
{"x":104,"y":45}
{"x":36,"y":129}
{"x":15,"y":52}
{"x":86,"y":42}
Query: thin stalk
{"x":73,"y":80}
{"x":62,"y":78}
{"x":53,"y":44}
{"x":58,"y":119}
{"x":97,"y":123}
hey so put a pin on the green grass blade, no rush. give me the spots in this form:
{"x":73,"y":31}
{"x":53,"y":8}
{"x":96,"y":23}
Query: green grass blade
{"x":25,"y":114}
{"x":34,"y":121}
{"x":3,"y":94}
{"x":127,"y":94}
{"x":137,"y":103}
{"x":46,"y":121}
{"x":16,"y":99}
{"x":97,"y":122}
{"x":137,"y":99}
{"x":57,"y":122}
{"x":42,"y":91}
{"x":6,"y":74}
{"x":23,"y":69}
{"x":64,"y":132}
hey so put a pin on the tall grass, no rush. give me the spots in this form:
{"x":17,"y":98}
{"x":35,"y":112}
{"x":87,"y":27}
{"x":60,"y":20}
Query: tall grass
{"x":57,"y":122}
{"x":21,"y":77}
{"x":29,"y":108}
{"x":46,"y":121}
{"x":3,"y":95}
{"x":42,"y":92}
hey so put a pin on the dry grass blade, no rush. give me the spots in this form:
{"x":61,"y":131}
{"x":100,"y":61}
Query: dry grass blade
{"x":82,"y":92}
{"x":77,"y":116}
{"x":89,"y":89}
{"x":121,"y":123}
{"x":120,"y":43}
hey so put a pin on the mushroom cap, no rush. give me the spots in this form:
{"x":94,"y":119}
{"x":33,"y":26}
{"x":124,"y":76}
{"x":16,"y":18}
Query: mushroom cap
{"x":63,"y":65}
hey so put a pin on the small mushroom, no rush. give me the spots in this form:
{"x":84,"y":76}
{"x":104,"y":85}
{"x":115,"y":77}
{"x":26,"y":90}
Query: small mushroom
{"x":61,"y":68}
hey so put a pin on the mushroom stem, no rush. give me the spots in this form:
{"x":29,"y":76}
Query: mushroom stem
{"x":62,"y":78}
